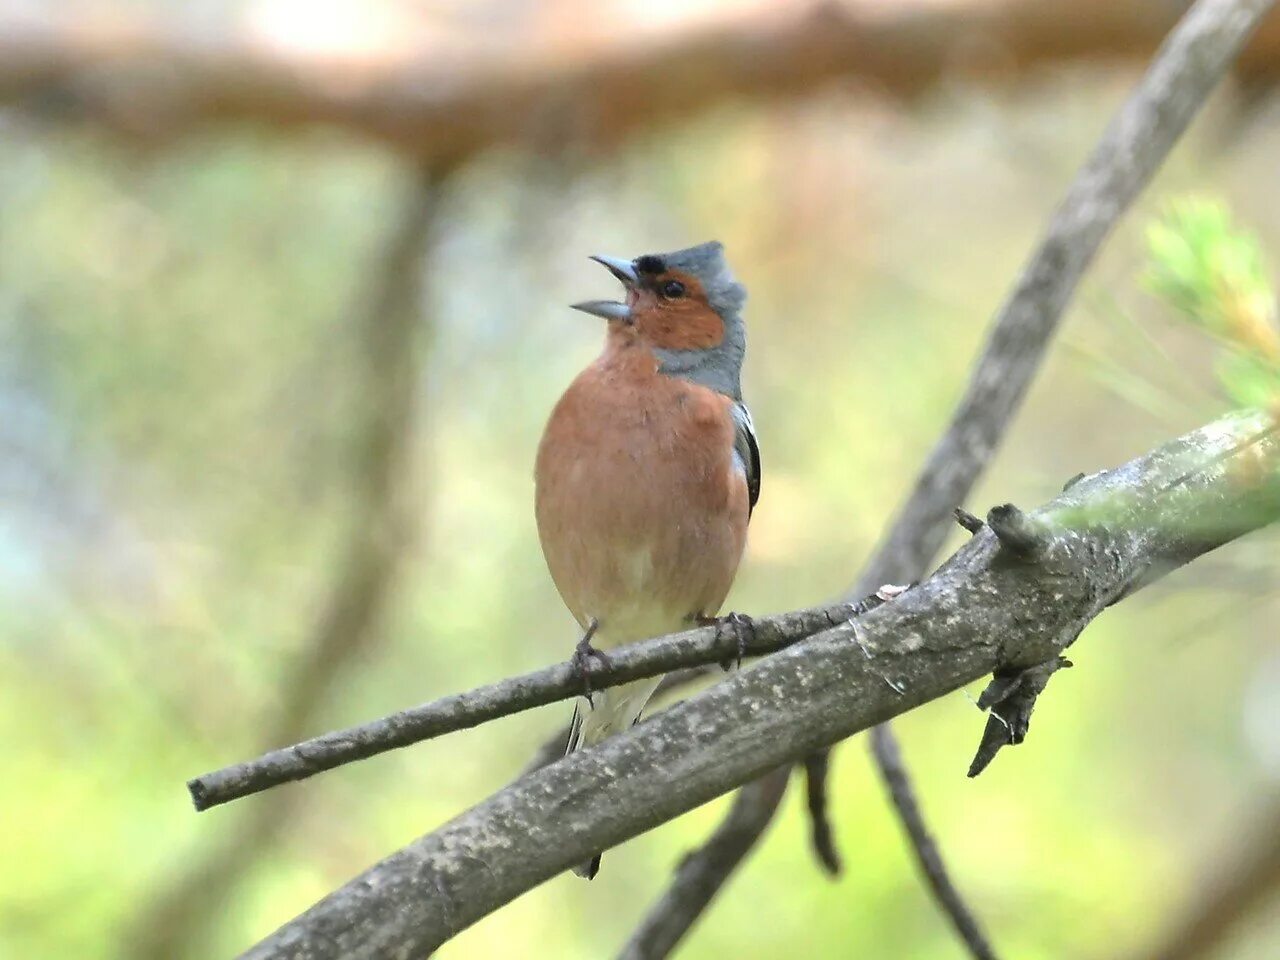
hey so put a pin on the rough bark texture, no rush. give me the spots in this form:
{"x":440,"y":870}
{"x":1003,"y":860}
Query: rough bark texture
{"x":983,"y":610}
{"x":152,"y":82}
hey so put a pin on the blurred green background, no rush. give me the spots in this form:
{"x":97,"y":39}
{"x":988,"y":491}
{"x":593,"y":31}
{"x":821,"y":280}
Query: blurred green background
{"x":221,"y":526}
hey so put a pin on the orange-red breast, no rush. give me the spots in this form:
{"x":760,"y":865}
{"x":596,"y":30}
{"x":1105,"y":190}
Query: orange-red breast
{"x":648,"y":469}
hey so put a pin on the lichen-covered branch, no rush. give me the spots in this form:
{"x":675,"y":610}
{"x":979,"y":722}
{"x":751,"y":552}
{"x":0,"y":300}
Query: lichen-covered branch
{"x":983,"y":610}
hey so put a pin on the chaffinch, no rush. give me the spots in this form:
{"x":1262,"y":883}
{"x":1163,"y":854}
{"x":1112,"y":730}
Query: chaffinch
{"x":648,"y":470}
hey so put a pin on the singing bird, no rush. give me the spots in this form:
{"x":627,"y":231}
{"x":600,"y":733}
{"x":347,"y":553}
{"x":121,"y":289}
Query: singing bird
{"x":648,"y":470}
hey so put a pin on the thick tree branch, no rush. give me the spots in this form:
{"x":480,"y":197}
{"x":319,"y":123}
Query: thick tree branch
{"x":705,"y":645}
{"x":445,"y":101}
{"x":701,"y":874}
{"x":1112,"y":533}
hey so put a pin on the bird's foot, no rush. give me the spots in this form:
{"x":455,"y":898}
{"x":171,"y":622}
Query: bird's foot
{"x":743,"y":630}
{"x":583,"y":653}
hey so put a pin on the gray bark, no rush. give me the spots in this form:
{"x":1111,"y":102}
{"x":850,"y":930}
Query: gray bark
{"x":651,"y":658}
{"x":986,"y":608}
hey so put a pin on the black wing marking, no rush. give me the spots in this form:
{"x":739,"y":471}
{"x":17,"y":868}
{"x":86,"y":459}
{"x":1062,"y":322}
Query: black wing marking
{"x":747,"y":450}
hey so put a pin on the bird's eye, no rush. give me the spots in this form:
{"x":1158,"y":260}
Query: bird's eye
{"x":673,"y":289}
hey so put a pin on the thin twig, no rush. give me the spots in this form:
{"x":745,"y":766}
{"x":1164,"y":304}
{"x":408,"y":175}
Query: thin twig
{"x":1010,"y":698}
{"x":928,"y":856}
{"x":701,"y":873}
{"x":704,"y":645}
{"x":816,"y":767}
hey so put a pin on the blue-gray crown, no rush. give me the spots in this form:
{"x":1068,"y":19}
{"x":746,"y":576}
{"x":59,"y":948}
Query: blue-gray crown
{"x":706,"y":262}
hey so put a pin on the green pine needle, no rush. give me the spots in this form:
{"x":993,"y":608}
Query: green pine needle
{"x":1213,"y":275}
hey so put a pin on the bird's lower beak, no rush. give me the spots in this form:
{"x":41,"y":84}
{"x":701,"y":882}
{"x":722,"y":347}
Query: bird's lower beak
{"x":612,"y":309}
{"x":609,"y":309}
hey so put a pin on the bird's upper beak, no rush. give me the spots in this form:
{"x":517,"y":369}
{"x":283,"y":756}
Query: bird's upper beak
{"x":612,"y":309}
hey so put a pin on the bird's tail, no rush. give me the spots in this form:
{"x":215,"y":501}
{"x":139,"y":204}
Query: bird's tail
{"x":615,"y":709}
{"x":581,"y":710}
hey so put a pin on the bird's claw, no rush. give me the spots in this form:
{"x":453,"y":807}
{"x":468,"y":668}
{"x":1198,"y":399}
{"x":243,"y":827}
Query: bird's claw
{"x":583,"y":653}
{"x":743,"y":629}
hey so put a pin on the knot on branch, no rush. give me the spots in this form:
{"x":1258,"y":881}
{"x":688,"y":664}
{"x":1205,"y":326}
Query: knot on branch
{"x":967,"y":520}
{"x":1011,"y":696}
{"x":1019,"y":533}
{"x":884,"y":593}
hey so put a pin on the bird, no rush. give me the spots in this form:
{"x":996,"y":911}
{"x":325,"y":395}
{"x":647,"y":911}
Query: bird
{"x":648,"y":471}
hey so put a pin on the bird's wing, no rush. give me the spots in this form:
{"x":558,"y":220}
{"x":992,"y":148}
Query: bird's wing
{"x":746,"y":450}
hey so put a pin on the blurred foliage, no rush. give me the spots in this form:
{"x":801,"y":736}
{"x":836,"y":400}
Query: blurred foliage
{"x":177,"y":387}
{"x":1213,"y":275}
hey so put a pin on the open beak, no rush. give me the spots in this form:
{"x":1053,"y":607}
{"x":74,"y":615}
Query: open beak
{"x":612,"y":309}
{"x":609,"y":309}
{"x":622,"y":269}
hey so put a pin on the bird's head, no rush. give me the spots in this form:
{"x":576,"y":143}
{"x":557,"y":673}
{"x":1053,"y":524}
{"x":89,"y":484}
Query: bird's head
{"x":686,"y":307}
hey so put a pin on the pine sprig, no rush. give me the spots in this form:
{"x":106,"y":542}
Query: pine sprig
{"x":1214,"y":276}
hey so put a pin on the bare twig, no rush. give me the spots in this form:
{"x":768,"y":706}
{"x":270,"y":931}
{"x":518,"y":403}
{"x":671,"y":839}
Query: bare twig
{"x":442,"y":100}
{"x":816,"y":767}
{"x":977,"y":613}
{"x":967,"y":520}
{"x":701,"y":874}
{"x":704,"y":645}
{"x":889,"y":760}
